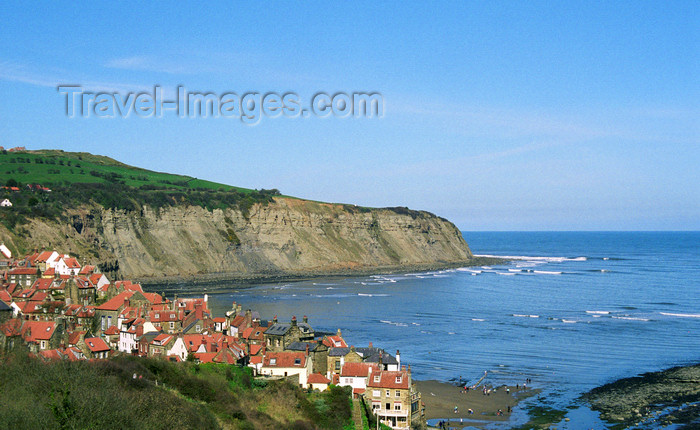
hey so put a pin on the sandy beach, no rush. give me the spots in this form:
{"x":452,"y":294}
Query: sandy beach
{"x":441,"y":398}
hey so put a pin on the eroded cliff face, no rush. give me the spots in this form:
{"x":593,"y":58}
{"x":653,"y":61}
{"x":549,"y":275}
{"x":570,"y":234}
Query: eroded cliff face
{"x":287,"y":237}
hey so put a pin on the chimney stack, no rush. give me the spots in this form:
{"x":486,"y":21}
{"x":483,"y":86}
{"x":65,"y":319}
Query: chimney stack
{"x":339,"y":335}
{"x":294,"y":320}
{"x":198,"y":310}
{"x":306,"y":319}
{"x":398,"y":358}
{"x":274,"y":320}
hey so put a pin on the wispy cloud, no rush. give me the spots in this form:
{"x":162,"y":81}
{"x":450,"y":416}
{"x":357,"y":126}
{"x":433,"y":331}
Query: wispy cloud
{"x":151,"y":64}
{"x":15,"y":72}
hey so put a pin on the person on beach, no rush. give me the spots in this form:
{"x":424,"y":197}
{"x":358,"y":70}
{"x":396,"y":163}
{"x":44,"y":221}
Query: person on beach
{"x":471,"y":411}
{"x":455,"y":409}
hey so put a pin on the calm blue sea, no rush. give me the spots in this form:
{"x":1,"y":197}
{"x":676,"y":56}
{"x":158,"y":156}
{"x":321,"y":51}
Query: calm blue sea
{"x":574,"y":310}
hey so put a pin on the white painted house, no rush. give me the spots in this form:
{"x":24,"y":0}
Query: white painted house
{"x":286,"y":364}
{"x":355,"y":375}
{"x":179,"y":348}
{"x":67,"y":265}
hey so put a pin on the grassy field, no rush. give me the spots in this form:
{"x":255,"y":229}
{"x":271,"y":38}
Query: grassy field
{"x":78,"y":178}
{"x":53,"y":167}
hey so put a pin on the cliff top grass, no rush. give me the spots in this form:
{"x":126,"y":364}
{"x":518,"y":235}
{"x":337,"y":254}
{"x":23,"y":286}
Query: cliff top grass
{"x":79,"y":178}
{"x":55,"y":167}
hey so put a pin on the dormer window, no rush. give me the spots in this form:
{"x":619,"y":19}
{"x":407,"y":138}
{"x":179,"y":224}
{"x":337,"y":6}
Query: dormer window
{"x":273,"y":361}
{"x":398,"y":379}
{"x":377,"y":378}
{"x":297,"y":361}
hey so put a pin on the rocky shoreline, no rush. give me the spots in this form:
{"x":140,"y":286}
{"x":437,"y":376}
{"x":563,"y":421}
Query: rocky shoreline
{"x":653,"y":399}
{"x":208,"y":280}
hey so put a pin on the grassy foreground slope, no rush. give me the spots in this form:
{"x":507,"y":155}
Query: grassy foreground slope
{"x":104,"y":394}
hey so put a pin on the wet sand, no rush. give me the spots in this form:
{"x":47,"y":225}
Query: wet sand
{"x":441,"y":398}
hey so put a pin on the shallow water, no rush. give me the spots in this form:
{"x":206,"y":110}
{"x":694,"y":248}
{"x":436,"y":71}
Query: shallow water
{"x":573,"y":311}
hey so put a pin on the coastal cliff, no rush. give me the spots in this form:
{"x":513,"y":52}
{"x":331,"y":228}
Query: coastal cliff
{"x":286,"y":237}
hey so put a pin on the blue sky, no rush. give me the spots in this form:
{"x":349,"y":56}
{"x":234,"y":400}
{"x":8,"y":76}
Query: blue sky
{"x":497,"y":115}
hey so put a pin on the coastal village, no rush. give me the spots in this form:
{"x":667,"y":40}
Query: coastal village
{"x":63,"y":309}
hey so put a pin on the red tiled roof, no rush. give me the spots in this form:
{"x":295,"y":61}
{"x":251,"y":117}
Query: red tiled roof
{"x":95,"y":278}
{"x":116,"y":302}
{"x":255,"y":349}
{"x":33,"y":331}
{"x":256,"y":360}
{"x":51,"y":354}
{"x":86,"y":270}
{"x":154,"y":298}
{"x":358,"y":369}
{"x":24,"y":271}
{"x":112,"y":330}
{"x":28,"y":307}
{"x":206,"y":357}
{"x":284,"y":359}
{"x":42,"y":284}
{"x":334,"y":342}
{"x":317,"y":378}
{"x":5,"y":296}
{"x":43,"y":257}
{"x":162,"y":339}
{"x":71,"y":262}
{"x":50,"y":272}
{"x":74,"y":337}
{"x":96,"y":344}
{"x":388,"y":379}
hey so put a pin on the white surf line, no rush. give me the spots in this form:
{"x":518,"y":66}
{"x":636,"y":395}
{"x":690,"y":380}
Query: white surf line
{"x":528,"y":258}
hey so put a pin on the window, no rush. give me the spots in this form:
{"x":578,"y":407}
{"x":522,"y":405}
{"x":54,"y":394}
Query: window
{"x":397,"y":406}
{"x":376,"y":405}
{"x":337,"y":365}
{"x":398,"y":393}
{"x":377,"y":378}
{"x":388,"y":393}
{"x":387,"y":406}
{"x":297,"y":361}
{"x":376,"y":393}
{"x":273,"y":362}
{"x":398,"y":379}
{"x":43,"y":344}
{"x":172,"y":325}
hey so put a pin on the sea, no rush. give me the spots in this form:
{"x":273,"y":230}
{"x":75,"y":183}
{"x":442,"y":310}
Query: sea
{"x":570,"y":311}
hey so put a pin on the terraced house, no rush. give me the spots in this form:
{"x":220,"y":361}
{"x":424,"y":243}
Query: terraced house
{"x":394,"y":398}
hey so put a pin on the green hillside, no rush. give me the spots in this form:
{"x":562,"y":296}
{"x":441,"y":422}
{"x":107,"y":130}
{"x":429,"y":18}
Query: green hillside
{"x":53,"y":167}
{"x":78,"y":178}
